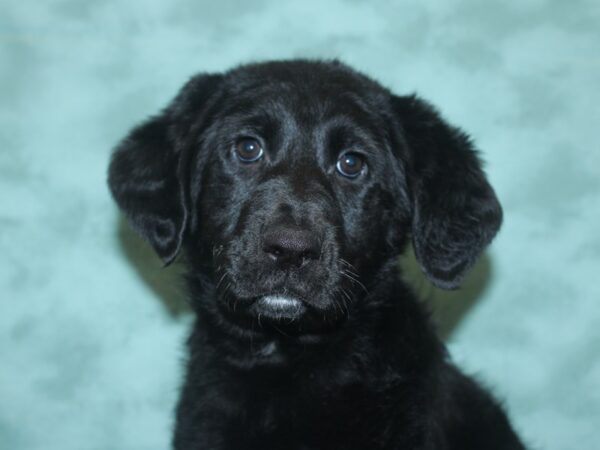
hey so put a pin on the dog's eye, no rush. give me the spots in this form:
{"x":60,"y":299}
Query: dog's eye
{"x":248,"y":150}
{"x":350,"y":164}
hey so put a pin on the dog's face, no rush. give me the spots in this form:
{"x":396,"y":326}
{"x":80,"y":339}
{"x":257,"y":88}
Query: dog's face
{"x":290,"y":184}
{"x":293,"y":178}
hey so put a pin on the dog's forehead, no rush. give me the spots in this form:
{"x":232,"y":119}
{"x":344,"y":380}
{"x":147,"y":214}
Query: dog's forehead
{"x":304,"y":88}
{"x":305,"y":99}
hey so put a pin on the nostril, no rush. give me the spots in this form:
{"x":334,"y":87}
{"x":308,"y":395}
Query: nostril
{"x":309,"y":254}
{"x":273,"y":251}
{"x":305,"y":258}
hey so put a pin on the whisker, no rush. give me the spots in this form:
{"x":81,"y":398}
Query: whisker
{"x":346,"y":263}
{"x":338,"y":307}
{"x":354,"y":280}
{"x":221,"y":280}
{"x":346,"y":301}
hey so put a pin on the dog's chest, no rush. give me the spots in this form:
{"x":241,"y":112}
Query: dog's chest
{"x":315,"y":412}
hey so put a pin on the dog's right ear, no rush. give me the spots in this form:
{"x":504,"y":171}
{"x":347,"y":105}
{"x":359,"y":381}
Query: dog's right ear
{"x":145,"y":175}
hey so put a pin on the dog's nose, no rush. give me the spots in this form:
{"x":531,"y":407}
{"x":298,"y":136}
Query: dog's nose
{"x":291,"y":245}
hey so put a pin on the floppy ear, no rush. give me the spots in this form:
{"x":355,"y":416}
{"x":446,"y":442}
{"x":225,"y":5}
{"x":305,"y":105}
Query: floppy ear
{"x":145,"y":175}
{"x":455,"y":210}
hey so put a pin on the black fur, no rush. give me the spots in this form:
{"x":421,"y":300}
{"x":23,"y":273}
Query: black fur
{"x":351,"y":361}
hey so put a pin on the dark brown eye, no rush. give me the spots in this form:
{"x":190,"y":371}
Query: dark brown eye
{"x":350,"y":165}
{"x":248,"y":150}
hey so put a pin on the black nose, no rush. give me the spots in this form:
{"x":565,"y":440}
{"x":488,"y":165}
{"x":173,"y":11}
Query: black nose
{"x":291,"y":245}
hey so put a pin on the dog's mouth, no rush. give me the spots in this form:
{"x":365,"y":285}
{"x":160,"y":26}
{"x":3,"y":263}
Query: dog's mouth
{"x":278,"y":307}
{"x":284,"y":313}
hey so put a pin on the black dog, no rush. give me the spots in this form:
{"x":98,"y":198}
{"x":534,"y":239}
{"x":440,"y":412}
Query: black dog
{"x":292,"y":187}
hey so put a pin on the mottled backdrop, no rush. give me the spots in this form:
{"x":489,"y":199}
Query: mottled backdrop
{"x":91,"y":326}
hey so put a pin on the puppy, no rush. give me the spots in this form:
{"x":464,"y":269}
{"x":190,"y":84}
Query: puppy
{"x":291,"y":187}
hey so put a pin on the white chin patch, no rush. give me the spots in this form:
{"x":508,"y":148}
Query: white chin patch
{"x":278,"y":302}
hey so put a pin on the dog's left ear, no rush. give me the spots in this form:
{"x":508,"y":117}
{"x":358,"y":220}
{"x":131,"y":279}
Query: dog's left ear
{"x":146,"y":171}
{"x":455,"y":210}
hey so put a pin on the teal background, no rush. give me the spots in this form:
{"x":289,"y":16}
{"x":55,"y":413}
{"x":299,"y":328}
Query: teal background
{"x":92,"y":328}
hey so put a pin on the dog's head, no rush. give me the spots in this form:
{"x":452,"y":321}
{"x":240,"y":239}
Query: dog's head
{"x":289,"y":184}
